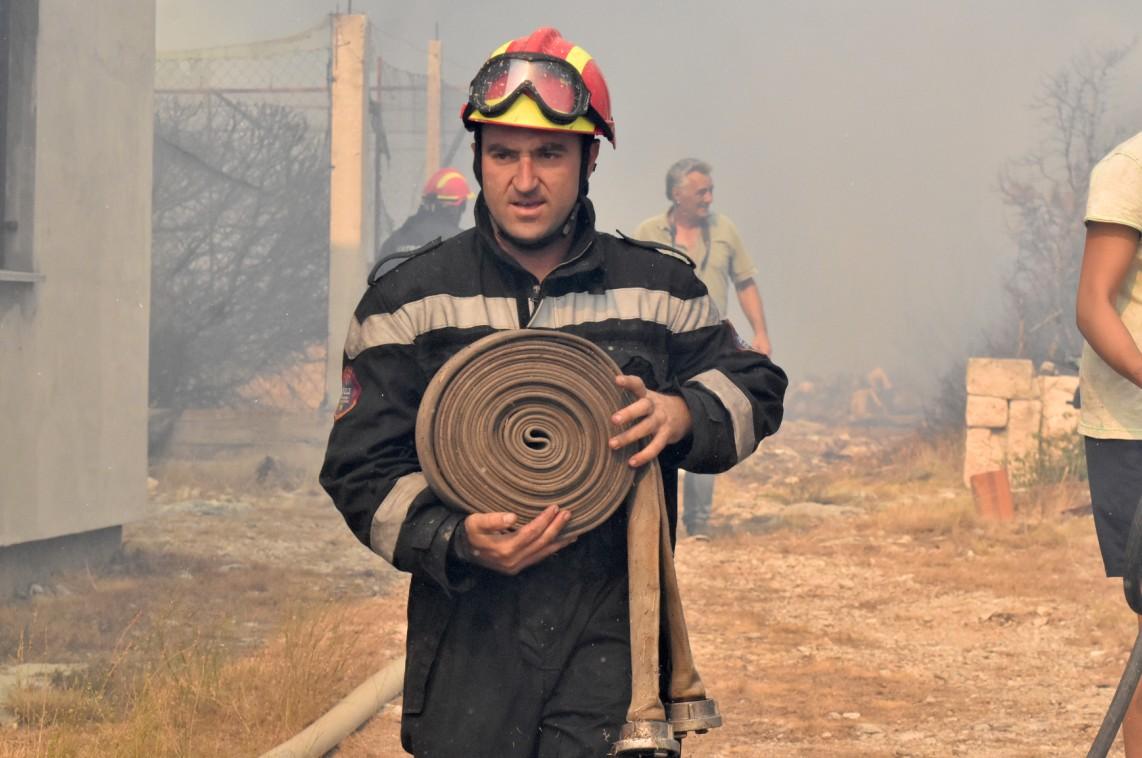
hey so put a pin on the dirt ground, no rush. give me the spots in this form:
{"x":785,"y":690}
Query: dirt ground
{"x":849,"y":602}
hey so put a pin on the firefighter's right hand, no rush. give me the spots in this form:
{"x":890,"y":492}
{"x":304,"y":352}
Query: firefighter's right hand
{"x":495,"y":544}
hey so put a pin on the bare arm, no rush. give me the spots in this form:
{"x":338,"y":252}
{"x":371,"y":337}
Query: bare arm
{"x":750,"y":298}
{"x":1109,"y":250}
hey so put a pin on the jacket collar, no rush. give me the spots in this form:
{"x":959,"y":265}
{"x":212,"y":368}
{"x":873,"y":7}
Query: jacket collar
{"x":583,"y":256}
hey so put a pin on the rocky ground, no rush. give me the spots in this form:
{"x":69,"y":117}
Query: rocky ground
{"x":891,"y":624}
{"x":848,"y":603}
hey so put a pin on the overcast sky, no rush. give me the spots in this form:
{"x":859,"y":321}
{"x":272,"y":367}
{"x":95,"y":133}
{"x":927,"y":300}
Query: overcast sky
{"x":855,"y":144}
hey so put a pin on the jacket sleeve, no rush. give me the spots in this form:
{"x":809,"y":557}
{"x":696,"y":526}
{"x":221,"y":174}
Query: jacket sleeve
{"x":734,"y":394}
{"x":371,"y":468}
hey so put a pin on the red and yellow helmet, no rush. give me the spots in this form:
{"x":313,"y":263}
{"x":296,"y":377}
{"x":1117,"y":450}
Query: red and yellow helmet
{"x":448,"y":187}
{"x":565,"y":90}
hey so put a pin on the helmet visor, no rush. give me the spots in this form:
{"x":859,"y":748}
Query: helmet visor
{"x":552,"y":83}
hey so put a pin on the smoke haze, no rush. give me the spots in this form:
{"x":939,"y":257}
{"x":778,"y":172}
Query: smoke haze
{"x":856,"y":145}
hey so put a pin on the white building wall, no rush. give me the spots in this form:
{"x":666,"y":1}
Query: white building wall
{"x":73,"y":345}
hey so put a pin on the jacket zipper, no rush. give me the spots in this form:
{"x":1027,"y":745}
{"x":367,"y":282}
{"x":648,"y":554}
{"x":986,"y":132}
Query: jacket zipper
{"x":536,"y":296}
{"x":534,"y":299}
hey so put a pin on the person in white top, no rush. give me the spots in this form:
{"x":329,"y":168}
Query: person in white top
{"x":1109,"y":315}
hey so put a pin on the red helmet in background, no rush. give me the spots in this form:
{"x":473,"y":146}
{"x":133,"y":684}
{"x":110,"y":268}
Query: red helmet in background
{"x":447,"y":187}
{"x":541,"y":81}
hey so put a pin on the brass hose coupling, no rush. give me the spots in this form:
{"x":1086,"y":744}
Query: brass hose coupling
{"x":644,"y":739}
{"x":698,"y":716}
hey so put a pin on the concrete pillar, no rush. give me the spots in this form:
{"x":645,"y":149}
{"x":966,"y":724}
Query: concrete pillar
{"x":348,"y":223}
{"x":432,"y":111}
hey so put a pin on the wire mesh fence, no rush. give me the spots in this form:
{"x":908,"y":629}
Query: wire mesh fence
{"x":241,"y":210}
{"x":240,"y":215}
{"x":402,"y":110}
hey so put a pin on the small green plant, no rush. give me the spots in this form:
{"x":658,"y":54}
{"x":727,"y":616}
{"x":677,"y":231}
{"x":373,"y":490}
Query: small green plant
{"x":1053,"y":461}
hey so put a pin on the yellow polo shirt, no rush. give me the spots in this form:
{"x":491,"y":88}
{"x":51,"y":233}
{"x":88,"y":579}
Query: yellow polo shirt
{"x":723,"y":258}
{"x":1111,"y":403}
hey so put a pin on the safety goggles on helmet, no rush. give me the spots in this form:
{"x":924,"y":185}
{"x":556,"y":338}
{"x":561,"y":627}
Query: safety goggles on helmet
{"x":552,"y":83}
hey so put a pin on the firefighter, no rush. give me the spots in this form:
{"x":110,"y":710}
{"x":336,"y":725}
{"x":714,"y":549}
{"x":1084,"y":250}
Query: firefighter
{"x":518,"y":639}
{"x":442,"y":203}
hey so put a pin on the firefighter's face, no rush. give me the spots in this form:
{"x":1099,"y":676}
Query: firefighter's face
{"x":693,"y":197}
{"x":530,"y":178}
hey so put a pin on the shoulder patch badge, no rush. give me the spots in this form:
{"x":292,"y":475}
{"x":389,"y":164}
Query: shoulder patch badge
{"x":350,"y":393}
{"x":661,"y":247}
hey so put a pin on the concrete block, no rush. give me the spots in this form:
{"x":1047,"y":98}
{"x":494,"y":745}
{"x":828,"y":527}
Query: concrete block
{"x":984,"y":450}
{"x":1002,"y":377}
{"x":1060,"y":418}
{"x":990,"y":412}
{"x":1023,"y":420}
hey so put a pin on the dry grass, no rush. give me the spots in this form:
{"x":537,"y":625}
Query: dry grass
{"x":919,"y":484}
{"x":245,"y":475}
{"x":1052,"y":500}
{"x":188,"y":644}
{"x":916,"y":465}
{"x":173,"y":660}
{"x":160,"y":697}
{"x":921,"y":464}
{"x":145,"y":591}
{"x":827,"y":489}
{"x":177,"y":662}
{"x":915,"y":496}
{"x":929,"y":518}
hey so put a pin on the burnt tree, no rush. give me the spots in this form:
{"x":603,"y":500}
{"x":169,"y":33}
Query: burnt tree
{"x":240,"y":249}
{"x":1045,"y":193}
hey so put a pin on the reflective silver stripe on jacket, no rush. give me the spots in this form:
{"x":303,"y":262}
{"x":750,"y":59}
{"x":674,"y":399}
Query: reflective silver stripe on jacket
{"x":403,"y":326}
{"x":736,"y":403}
{"x":389,"y":517}
{"x":411,"y":320}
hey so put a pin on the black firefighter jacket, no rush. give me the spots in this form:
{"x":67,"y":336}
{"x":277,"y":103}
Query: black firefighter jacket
{"x":422,"y":227}
{"x":643,"y":305}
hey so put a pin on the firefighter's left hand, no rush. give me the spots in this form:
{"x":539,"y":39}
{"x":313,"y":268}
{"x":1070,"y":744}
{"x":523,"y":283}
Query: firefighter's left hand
{"x":664,"y":419}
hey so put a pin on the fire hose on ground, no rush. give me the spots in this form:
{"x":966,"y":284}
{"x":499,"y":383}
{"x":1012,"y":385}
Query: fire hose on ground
{"x":1127,"y":685}
{"x":346,"y":716}
{"x":520,"y":420}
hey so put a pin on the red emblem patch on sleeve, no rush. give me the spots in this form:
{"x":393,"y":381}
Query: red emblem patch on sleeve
{"x":350,"y":393}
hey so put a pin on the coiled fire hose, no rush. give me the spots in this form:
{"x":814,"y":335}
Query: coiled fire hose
{"x":1124,"y":693}
{"x":520,"y":420}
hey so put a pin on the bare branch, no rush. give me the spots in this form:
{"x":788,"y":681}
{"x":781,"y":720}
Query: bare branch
{"x":239,"y":273}
{"x":1044,"y":191}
